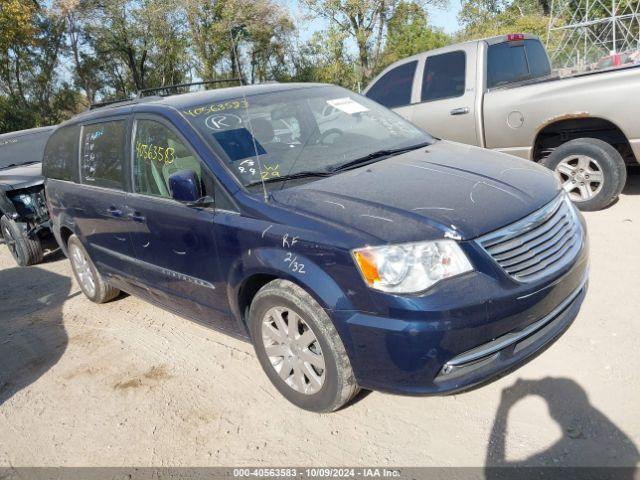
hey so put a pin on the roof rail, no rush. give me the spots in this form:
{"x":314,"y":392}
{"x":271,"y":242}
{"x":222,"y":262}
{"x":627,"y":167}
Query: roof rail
{"x":166,"y":91}
{"x":172,"y":89}
{"x":123,"y":101}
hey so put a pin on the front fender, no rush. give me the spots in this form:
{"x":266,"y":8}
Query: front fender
{"x":294,"y":266}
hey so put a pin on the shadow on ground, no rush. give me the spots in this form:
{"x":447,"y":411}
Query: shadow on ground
{"x":32,"y":333}
{"x":633,"y":182}
{"x":589,"y":438}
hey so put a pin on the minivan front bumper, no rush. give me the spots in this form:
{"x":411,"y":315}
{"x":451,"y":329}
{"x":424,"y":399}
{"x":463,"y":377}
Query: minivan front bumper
{"x":469,"y":343}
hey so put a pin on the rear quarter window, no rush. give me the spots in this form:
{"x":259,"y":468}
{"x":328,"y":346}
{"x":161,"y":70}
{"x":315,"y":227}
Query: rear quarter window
{"x":61,"y":153}
{"x":102,"y":159}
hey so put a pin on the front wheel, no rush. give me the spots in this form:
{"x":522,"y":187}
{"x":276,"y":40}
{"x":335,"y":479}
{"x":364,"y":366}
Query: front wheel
{"x":299,"y":348}
{"x":591,"y":171}
{"x":25,"y":250}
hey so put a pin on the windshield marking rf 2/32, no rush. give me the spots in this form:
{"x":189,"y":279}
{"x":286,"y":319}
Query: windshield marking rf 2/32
{"x":302,"y":133}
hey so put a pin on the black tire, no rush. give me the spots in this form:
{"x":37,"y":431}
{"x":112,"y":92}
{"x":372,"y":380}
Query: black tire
{"x":612,"y":165}
{"x":339,"y":385}
{"x":103,"y":292}
{"x":26,"y":251}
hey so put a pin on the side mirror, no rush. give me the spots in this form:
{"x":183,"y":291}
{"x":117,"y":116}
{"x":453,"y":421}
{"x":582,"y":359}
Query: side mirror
{"x":184,"y":186}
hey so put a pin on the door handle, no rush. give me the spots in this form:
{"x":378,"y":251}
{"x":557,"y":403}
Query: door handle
{"x":460,"y":111}
{"x":114,"y":212}
{"x":137,"y":217}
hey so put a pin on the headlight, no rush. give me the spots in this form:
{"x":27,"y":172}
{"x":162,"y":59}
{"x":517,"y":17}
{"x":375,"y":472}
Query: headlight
{"x":410,"y":267}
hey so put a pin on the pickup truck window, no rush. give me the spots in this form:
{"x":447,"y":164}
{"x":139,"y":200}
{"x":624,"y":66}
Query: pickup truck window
{"x":61,"y":153}
{"x":394,"y":88}
{"x":509,"y":62}
{"x":102,"y":160}
{"x":444,"y":76}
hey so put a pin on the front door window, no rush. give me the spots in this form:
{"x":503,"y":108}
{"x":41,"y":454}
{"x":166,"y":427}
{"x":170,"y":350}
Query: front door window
{"x":157,"y":153}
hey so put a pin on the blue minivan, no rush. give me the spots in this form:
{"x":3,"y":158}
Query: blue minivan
{"x":350,"y":247}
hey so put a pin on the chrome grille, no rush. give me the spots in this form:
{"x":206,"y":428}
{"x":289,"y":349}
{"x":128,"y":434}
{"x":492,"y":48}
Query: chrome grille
{"x":539,"y":244}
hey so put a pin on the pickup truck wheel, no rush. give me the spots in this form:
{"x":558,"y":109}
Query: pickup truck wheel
{"x":91,"y":282}
{"x":591,"y":171}
{"x":300,"y":349}
{"x":26,"y":251}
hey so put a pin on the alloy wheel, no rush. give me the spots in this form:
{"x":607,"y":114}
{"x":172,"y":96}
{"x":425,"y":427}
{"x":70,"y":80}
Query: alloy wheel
{"x":11,"y":243}
{"x":293,"y":350}
{"x":83,"y":270}
{"x":581,"y":177}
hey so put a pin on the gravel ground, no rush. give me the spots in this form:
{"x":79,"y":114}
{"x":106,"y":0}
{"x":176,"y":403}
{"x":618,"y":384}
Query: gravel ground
{"x":128,"y":384}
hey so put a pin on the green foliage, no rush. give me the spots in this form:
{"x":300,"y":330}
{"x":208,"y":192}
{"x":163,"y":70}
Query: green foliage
{"x":486,"y":18}
{"x":238,"y":38}
{"x":324,"y":58}
{"x":31,"y":93}
{"x":408,"y":33}
{"x":366,"y":22}
{"x":17,"y":19}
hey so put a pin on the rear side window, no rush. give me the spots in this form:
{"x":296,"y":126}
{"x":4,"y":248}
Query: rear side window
{"x":102,"y":159}
{"x":60,"y":154}
{"x":394,"y":88}
{"x":514,"y":61}
{"x":444,"y":76}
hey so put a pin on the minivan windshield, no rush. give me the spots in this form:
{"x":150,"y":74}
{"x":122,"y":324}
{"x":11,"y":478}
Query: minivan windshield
{"x":301,"y":132}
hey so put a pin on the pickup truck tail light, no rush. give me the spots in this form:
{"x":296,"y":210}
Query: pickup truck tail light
{"x":515,"y":37}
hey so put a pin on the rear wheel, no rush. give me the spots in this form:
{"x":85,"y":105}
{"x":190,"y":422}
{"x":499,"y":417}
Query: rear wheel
{"x":91,"y":282}
{"x":300,"y":349}
{"x":591,"y":171}
{"x":25,"y":251}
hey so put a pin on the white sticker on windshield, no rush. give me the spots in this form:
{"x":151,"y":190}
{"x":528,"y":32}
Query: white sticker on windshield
{"x":347,"y":105}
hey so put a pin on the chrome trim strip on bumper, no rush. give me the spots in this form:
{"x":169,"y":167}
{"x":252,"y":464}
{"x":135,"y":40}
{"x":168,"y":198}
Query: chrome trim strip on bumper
{"x":508,"y":339}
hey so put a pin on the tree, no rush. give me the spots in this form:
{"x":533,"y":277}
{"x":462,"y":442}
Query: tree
{"x":17,"y":23}
{"x":140,"y":43}
{"x":325,"y":58}
{"x":408,"y":33}
{"x":243,"y":39}
{"x":484,"y":18}
{"x":31,"y":42}
{"x":358,"y":19}
{"x":365,"y":21}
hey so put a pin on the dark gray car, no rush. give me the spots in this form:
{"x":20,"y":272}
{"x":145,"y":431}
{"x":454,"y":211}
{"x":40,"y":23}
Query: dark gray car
{"x":24,"y":219}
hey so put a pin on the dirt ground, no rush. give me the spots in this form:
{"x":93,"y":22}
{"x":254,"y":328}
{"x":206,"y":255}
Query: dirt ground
{"x":128,"y":384}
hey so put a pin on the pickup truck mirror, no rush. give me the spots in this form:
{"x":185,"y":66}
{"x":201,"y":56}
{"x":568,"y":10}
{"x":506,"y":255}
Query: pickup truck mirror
{"x":184,"y":186}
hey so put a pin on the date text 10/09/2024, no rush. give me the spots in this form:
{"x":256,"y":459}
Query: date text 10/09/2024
{"x":317,"y":472}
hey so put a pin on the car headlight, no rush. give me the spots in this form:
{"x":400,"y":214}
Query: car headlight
{"x":410,"y":267}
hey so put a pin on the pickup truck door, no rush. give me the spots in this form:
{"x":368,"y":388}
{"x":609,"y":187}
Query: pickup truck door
{"x":445,"y":94}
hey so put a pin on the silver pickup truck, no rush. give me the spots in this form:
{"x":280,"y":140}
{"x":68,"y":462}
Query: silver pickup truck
{"x":500,"y":93}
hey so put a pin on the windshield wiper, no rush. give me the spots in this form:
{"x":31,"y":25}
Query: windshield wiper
{"x":376,"y":156}
{"x":293,"y":176}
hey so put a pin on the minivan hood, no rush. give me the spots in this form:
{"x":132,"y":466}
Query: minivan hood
{"x":23,"y":176}
{"x":444,"y":190}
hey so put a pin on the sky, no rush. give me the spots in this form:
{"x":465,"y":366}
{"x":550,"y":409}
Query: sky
{"x":444,"y":18}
